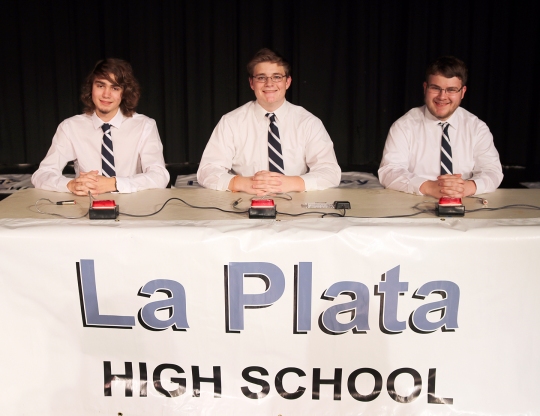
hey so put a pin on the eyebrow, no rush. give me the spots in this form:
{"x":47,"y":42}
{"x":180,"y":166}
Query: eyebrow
{"x":438,"y":86}
{"x":275,"y":73}
{"x":97,"y":81}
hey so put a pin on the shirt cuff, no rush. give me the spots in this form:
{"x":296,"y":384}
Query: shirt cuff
{"x":415,"y":184}
{"x":223,"y":181}
{"x":310,"y":182}
{"x":480,"y":185}
{"x":123,"y":186}
{"x":62,"y":183}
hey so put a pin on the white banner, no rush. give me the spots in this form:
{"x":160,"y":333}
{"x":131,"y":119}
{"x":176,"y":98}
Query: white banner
{"x":317,"y":317}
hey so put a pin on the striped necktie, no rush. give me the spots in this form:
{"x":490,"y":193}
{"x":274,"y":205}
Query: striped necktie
{"x":446,"y":151}
{"x":107,"y":155}
{"x":275,"y":157}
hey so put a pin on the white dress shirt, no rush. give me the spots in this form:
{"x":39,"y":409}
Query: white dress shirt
{"x":138,"y":153}
{"x":412,"y":153}
{"x":239,"y":146}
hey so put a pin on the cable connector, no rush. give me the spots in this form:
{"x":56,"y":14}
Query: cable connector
{"x":342,"y":205}
{"x":70,"y":202}
{"x":317,"y":205}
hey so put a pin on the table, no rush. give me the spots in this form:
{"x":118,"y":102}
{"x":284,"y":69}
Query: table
{"x":369,"y":203}
{"x":206,"y":312}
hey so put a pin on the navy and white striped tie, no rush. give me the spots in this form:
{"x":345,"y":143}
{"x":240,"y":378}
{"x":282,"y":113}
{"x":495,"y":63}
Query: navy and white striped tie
{"x":275,"y":156}
{"x":107,"y":155}
{"x":446,"y":151}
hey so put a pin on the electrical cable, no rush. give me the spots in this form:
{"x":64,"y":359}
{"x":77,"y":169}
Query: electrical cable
{"x":323,"y":214}
{"x":57,"y":215}
{"x":284,"y":196}
{"x":181,"y":200}
{"x":522,"y":206}
{"x":417,"y":207}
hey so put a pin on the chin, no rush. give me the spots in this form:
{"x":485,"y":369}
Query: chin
{"x":440,"y":113}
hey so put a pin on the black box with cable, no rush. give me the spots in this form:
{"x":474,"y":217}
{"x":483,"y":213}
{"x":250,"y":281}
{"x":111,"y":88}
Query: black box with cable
{"x":103,"y":210}
{"x":262,"y":208}
{"x":342,"y":205}
{"x":450,"y":207}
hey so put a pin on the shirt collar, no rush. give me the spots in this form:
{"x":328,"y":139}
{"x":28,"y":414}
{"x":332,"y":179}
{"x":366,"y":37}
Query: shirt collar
{"x":280,"y":113}
{"x":452,"y":121}
{"x":116,"y":121}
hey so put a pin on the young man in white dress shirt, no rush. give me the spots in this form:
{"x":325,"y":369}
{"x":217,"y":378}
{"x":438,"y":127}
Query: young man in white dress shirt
{"x":110,"y":95}
{"x":411,"y":159}
{"x":236,"y":157}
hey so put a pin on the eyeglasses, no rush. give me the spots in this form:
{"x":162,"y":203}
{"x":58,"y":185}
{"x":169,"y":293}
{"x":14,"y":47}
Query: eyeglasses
{"x":435,"y":89}
{"x":274,"y":78}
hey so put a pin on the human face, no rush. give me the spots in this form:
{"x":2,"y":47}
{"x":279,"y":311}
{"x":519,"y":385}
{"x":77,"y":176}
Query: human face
{"x":442,"y":105}
{"x":106,"y":97}
{"x":270,"y":95}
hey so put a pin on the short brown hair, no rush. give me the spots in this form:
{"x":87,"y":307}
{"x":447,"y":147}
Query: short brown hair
{"x":268,"y":55}
{"x":449,"y":67}
{"x":123,"y":76}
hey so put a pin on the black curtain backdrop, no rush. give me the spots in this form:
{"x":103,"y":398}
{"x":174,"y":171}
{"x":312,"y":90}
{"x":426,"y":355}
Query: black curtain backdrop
{"x":357,"y":65}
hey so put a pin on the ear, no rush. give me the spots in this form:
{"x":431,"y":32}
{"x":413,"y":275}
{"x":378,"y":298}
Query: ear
{"x":288,"y":83}
{"x":251,"y":83}
{"x":425,"y":87}
{"x":463,"y":91}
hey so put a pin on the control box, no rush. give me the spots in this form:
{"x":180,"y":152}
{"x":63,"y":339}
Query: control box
{"x":262,"y":208}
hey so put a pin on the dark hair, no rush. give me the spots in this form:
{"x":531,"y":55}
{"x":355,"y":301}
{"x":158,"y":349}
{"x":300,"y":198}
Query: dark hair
{"x":268,"y":55}
{"x":449,"y":67}
{"x":123,"y":76}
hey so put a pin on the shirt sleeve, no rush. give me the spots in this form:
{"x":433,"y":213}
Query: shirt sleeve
{"x":49,"y":174}
{"x":154,"y":173}
{"x":487,"y":172}
{"x":394,"y":169}
{"x":324,"y":171}
{"x":217,"y":158}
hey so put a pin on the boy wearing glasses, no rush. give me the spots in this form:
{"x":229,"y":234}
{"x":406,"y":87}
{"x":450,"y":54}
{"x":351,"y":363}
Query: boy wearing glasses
{"x":269,"y":145}
{"x":441,"y":149}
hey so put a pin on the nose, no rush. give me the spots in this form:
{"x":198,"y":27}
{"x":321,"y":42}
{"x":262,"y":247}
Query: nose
{"x":269,"y":81}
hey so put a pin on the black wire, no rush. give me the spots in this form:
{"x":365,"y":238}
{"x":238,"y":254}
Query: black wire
{"x":52,"y":213}
{"x":524,"y":206}
{"x":322,"y":214}
{"x":285,"y":196}
{"x":396,"y":216}
{"x":420,"y":211}
{"x":181,"y":200}
{"x":409,"y":215}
